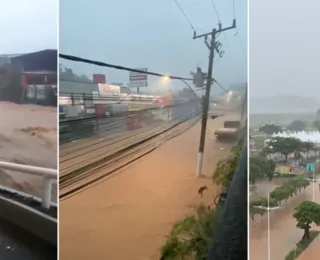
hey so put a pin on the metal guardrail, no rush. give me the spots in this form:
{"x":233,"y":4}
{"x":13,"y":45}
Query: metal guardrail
{"x":47,"y":174}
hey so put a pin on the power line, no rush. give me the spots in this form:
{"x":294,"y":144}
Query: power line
{"x":220,"y":86}
{"x":103,"y":64}
{"x":185,"y":16}
{"x":216,"y":10}
{"x":219,"y":21}
{"x":237,"y":31}
{"x":234,"y":8}
{"x":74,"y":176}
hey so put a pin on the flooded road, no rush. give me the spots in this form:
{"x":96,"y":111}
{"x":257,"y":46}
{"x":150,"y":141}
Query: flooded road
{"x":129,"y":214}
{"x":28,"y":135}
{"x":283,"y":231}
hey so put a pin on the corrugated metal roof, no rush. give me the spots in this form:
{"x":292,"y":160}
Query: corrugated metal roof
{"x":36,"y":61}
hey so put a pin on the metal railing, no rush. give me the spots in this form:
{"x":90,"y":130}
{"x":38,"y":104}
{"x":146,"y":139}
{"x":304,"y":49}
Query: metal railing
{"x":47,"y":174}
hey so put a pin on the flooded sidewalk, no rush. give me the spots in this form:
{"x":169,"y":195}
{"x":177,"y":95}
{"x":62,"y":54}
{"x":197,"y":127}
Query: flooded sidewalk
{"x":284,"y":234}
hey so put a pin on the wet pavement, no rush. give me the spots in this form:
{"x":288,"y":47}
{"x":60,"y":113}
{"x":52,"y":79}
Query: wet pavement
{"x":16,"y":244}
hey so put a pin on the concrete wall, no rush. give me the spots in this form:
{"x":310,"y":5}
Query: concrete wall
{"x":75,"y":87}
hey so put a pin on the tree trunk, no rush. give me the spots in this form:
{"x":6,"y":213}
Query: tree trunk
{"x":286,"y":158}
{"x":306,"y":234}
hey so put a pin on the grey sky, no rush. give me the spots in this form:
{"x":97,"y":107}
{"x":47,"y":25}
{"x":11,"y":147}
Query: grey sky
{"x":28,"y":25}
{"x":284,"y":48}
{"x":152,"y":34}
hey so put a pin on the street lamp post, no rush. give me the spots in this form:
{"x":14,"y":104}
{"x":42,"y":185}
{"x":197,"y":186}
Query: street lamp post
{"x":268,"y":208}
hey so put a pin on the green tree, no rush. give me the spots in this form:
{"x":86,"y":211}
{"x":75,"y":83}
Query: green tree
{"x":306,"y":213}
{"x":270,"y":129}
{"x":297,"y":125}
{"x":266,"y":167}
{"x":285,"y":145}
{"x":225,"y":168}
{"x":278,"y":195}
{"x":255,"y":173}
{"x":66,"y":73}
{"x":307,"y":147}
{"x":192,"y":236}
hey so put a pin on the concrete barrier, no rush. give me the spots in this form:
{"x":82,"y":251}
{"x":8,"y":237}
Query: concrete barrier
{"x":29,"y":219}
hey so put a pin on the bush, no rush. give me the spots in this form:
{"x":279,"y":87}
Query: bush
{"x":191,"y":236}
{"x":278,"y":195}
{"x":225,"y":168}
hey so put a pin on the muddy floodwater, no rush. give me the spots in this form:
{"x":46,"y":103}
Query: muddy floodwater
{"x":28,"y":135}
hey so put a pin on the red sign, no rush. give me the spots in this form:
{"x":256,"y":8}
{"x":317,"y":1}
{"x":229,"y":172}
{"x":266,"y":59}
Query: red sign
{"x":138,"y":77}
{"x":99,"y":79}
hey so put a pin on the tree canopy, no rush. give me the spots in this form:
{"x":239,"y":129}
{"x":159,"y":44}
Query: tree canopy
{"x":306,"y":213}
{"x":261,"y":167}
{"x":225,"y":168}
{"x":68,"y":74}
{"x":270,"y":129}
{"x":297,"y":125}
{"x":285,"y":146}
{"x":278,"y":195}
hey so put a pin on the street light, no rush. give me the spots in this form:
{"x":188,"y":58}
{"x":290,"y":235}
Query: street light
{"x":314,"y":181}
{"x":295,"y":251}
{"x":268,"y":208}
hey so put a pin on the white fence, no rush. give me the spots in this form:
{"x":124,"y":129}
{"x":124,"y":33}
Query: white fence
{"x":47,"y":174}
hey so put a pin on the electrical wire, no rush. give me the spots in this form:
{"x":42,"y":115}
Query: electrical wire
{"x":99,"y":63}
{"x":234,"y":8}
{"x":124,"y":98}
{"x":220,"y":86}
{"x":238,"y":33}
{"x":118,"y":122}
{"x":100,"y":178}
{"x":86,"y":172}
{"x":137,"y":140}
{"x":103,"y":64}
{"x":107,"y":143}
{"x":219,"y":21}
{"x":185,"y":15}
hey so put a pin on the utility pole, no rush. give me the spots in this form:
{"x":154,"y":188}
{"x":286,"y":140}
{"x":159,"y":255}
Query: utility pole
{"x":212,"y":46}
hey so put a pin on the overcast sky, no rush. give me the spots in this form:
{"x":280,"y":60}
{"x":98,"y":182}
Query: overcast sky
{"x":152,"y":34}
{"x":284,"y":48}
{"x":28,"y":26}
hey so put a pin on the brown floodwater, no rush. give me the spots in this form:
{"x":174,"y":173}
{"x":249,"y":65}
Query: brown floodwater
{"x":28,"y":135}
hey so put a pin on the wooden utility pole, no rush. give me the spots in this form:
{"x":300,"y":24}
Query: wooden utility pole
{"x":212,"y":46}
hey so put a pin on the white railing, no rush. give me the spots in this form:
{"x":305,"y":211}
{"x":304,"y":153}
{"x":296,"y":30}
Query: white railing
{"x":47,"y":174}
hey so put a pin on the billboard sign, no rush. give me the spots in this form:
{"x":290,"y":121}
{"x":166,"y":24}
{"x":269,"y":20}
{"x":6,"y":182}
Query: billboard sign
{"x":109,"y":90}
{"x":310,"y":168}
{"x":99,"y":79}
{"x":137,"y":79}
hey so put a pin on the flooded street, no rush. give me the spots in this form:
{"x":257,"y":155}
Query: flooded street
{"x":28,"y":135}
{"x":283,"y":231}
{"x":129,"y":214}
